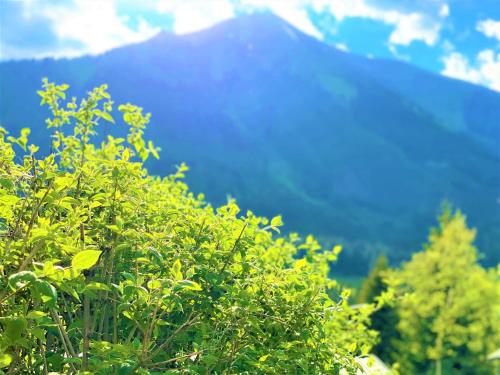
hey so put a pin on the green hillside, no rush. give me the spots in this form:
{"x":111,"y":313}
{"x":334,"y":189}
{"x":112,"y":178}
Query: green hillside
{"x":342,"y":146}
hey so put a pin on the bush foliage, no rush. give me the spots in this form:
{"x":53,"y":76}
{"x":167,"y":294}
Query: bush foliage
{"x":450,"y":310}
{"x":108,"y":270}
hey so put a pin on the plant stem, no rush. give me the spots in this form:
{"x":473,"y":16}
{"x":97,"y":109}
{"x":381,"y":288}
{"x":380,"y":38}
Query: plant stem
{"x":230,"y":255}
{"x":86,"y":332}
{"x":44,"y":358}
{"x":34,"y":215}
{"x":189,"y":322}
{"x":157,"y":364}
{"x":64,"y":335}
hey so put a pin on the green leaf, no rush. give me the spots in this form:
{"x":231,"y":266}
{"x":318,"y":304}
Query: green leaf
{"x":114,"y":228}
{"x":74,"y":360}
{"x":35,"y":314}
{"x":5,"y":360}
{"x":337,"y":249}
{"x":264,"y":358}
{"x":38,"y":234}
{"x":128,"y":315}
{"x":6,"y":183}
{"x":152,"y":149}
{"x":154,"y":284}
{"x":94,"y":285}
{"x":276,"y":221}
{"x":25,"y":132}
{"x":176,"y":270}
{"x":67,"y":288}
{"x":85,"y":259}
{"x":46,"y":292}
{"x":39,"y":333}
{"x":352,"y":347}
{"x":126,"y":154}
{"x":106,"y":116}
{"x":14,"y":328}
{"x":21,"y":279}
{"x":190,"y":285}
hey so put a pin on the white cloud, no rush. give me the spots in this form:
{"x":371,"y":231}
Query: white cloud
{"x":490,"y":28}
{"x":410,"y":27}
{"x":444,"y":11}
{"x":342,"y":47}
{"x":485,"y":70}
{"x":12,"y":52}
{"x":81,"y":27}
{"x":96,"y":25}
{"x":407,"y":26}
{"x":490,"y":68}
{"x":292,"y":11}
{"x":456,"y":65}
{"x":190,"y":16}
{"x":196,"y":15}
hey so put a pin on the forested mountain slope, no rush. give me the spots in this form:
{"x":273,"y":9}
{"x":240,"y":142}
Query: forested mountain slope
{"x":345,"y":147}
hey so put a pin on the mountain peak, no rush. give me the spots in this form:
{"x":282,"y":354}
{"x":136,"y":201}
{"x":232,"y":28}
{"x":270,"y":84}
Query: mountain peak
{"x":267,"y":19}
{"x":250,"y":27}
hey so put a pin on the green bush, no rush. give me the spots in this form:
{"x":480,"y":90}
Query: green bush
{"x":108,"y":270}
{"x":449,"y":313}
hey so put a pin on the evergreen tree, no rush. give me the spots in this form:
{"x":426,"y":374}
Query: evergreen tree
{"x":383,"y":320}
{"x":450,"y":311}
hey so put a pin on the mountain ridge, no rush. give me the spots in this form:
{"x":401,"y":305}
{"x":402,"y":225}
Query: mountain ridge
{"x":294,"y":126}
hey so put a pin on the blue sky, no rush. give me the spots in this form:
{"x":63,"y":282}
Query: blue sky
{"x":457,"y":38}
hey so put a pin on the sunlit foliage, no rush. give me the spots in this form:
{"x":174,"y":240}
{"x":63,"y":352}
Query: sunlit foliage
{"x":106,"y":269}
{"x":450,"y":312}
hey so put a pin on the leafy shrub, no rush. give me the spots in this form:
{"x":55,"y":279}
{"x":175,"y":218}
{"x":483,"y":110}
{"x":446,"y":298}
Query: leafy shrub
{"x":450,"y":311}
{"x":106,"y":269}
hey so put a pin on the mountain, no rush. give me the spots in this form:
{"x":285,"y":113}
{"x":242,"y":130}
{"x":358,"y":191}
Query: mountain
{"x":351,"y":149}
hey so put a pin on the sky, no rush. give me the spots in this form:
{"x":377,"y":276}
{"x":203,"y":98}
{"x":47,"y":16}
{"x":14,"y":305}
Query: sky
{"x":456,"y":38}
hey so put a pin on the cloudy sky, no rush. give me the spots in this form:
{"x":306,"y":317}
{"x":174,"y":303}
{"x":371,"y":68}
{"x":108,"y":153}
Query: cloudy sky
{"x":458,"y":38}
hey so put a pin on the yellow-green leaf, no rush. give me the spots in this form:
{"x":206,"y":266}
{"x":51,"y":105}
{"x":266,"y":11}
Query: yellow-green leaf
{"x":352,"y":347}
{"x":264,"y":358}
{"x":35,"y":314}
{"x":152,"y":149}
{"x":85,"y":259}
{"x":276,"y":221}
{"x":5,"y":360}
{"x":176,"y":270}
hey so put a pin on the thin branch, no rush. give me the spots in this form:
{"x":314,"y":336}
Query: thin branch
{"x":31,"y":255}
{"x":14,"y":293}
{"x":188,"y":323}
{"x":171,"y":360}
{"x":230,"y":255}
{"x":64,"y":335}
